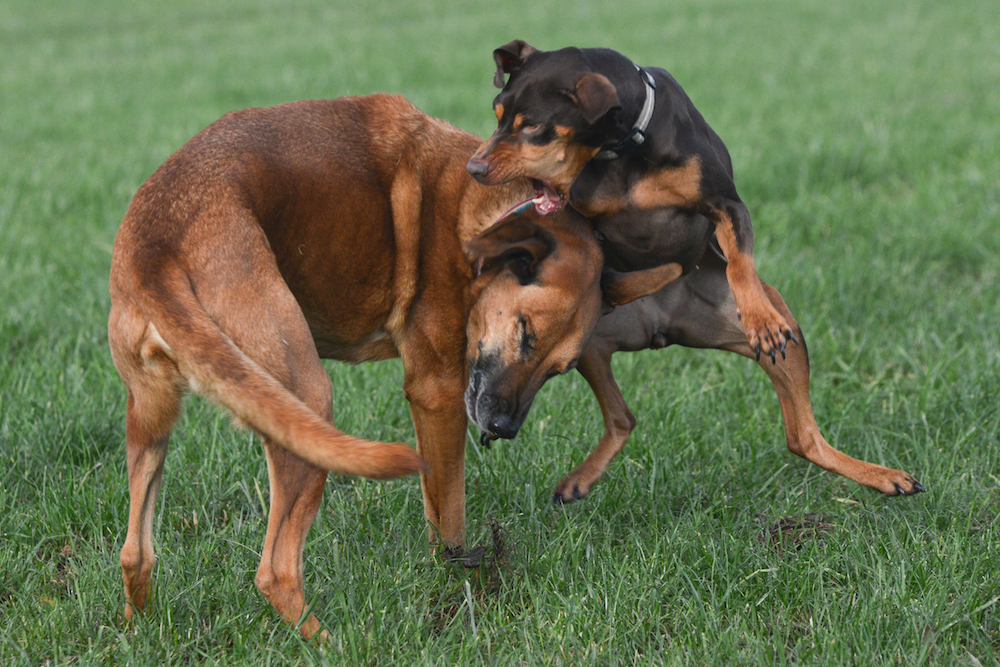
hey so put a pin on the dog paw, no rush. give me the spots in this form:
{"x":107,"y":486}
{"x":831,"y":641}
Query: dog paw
{"x":570,"y":489}
{"x":891,"y":482}
{"x":908,"y":487}
{"x":768,"y":333}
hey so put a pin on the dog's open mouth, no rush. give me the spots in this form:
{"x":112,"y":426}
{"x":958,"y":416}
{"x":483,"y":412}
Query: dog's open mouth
{"x":546,"y":200}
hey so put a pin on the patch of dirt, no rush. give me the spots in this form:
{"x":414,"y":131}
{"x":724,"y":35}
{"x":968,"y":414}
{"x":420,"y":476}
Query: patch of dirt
{"x":481,"y":567}
{"x":792,"y":532}
{"x":61,"y":583}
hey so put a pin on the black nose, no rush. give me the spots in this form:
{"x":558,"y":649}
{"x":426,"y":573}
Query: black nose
{"x":502,"y":425}
{"x":477,"y":168}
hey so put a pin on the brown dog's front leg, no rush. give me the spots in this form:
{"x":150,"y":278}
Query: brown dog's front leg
{"x":595,"y":367}
{"x":767,"y":329}
{"x":438,"y":409}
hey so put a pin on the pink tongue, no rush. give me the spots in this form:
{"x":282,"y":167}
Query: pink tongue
{"x":546,"y":202}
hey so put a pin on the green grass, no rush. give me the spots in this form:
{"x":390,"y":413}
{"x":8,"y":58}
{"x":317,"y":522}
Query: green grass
{"x":866,"y":140}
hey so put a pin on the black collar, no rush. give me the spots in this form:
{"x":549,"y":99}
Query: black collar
{"x":637,"y":134}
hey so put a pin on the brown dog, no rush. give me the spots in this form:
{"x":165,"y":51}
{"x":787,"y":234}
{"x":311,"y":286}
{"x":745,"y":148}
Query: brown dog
{"x":626,"y":147}
{"x":336,"y":229}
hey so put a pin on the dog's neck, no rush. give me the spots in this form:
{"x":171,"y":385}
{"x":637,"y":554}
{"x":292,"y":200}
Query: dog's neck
{"x":483,"y":205}
{"x":642,"y":111}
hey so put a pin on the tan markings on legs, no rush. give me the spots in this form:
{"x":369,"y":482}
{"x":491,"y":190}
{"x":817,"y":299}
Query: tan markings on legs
{"x":595,"y":366}
{"x":765,"y":327}
{"x":790,"y":377}
{"x":673,"y":186}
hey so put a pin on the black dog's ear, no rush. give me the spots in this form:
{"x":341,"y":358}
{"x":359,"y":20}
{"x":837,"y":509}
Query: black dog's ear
{"x":516,"y":242}
{"x":510,"y":57}
{"x":595,"y":95}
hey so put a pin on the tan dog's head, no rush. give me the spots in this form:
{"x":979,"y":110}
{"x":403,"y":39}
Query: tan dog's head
{"x":552,"y":116}
{"x":539,"y":292}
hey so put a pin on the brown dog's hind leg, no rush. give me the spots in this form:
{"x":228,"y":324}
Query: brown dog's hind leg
{"x":267,"y":324}
{"x":296,"y":492}
{"x":154,"y":392}
{"x":147,"y":428}
{"x":595,"y":367}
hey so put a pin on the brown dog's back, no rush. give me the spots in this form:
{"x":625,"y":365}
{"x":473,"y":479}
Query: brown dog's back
{"x":200,"y":301}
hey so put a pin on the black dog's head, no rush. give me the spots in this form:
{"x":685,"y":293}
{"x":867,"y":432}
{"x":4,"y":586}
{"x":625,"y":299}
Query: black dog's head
{"x":539,"y":290}
{"x":554,"y":112}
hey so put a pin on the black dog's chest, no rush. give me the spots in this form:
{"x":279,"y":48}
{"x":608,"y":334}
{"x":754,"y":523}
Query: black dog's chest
{"x":636,"y":239}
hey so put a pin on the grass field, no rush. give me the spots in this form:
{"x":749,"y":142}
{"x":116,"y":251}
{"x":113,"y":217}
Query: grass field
{"x":866,"y":142}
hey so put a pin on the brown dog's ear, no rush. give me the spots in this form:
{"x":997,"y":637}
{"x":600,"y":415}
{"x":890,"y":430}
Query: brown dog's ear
{"x":595,"y":95}
{"x":510,"y":57}
{"x":516,"y":242}
{"x":621,"y":288}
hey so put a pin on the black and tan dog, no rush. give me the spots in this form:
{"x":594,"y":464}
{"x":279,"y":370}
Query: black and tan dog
{"x":336,"y":229}
{"x":626,"y":147}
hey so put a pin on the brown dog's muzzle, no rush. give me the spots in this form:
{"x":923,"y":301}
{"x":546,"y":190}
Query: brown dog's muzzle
{"x":490,"y":404}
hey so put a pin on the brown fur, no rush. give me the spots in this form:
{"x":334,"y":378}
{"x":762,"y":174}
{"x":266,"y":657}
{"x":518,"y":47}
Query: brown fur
{"x":335,"y":229}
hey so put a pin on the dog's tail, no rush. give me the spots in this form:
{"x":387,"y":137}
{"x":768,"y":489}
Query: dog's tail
{"x":216,"y":368}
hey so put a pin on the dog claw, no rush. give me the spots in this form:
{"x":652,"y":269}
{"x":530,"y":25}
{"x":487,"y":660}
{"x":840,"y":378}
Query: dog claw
{"x":558,"y":499}
{"x":791,"y":336}
{"x":915,"y":488}
{"x":757,"y":350}
{"x":774,"y":357}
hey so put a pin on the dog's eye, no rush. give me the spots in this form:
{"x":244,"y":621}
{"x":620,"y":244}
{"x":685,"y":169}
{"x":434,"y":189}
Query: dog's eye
{"x":527,"y":338}
{"x":529,"y":129}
